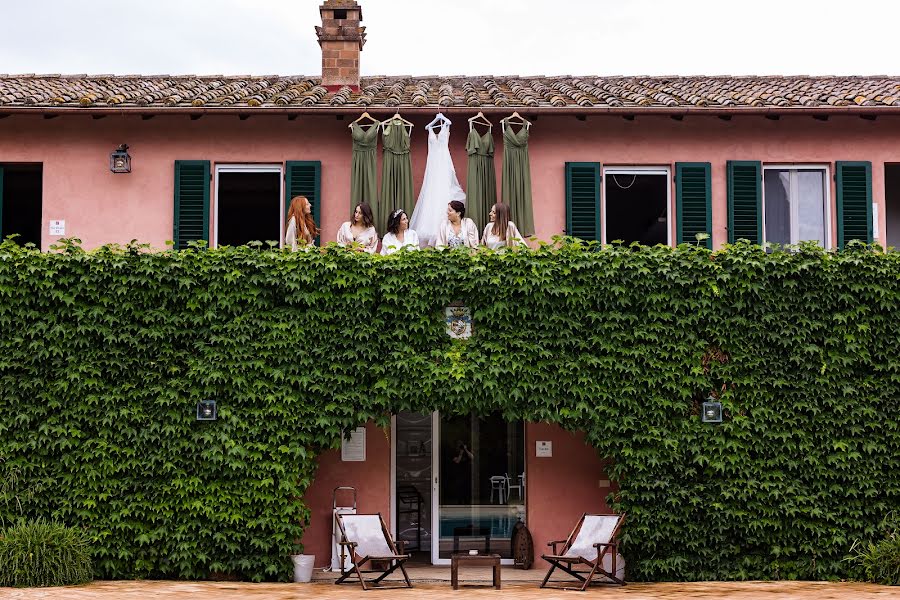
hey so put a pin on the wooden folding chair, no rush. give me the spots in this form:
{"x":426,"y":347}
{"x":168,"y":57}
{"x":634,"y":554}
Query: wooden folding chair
{"x":365,"y":540}
{"x":593,"y":538}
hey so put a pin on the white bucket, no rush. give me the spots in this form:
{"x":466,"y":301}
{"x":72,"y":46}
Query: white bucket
{"x":303,"y":567}
{"x":620,"y":565}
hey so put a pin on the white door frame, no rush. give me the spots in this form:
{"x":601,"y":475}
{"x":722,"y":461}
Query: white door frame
{"x":637,"y":170}
{"x":435,"y":487}
{"x":435,"y":495}
{"x":248,"y":168}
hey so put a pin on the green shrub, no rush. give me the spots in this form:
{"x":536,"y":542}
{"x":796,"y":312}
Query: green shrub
{"x":879,"y":561}
{"x":41,"y":554}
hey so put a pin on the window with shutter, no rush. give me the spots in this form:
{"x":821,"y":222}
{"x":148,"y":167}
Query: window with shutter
{"x":304,"y":178}
{"x":744,"y":201}
{"x":854,"y":202}
{"x":583,"y":200}
{"x":191,"y":202}
{"x":693,"y":197}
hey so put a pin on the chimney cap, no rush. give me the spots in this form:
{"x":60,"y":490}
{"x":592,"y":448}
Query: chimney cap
{"x":342,"y":5}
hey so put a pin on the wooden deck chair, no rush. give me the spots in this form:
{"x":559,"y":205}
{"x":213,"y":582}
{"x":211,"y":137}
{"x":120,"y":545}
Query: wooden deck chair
{"x":592,"y":540}
{"x":368,"y":545}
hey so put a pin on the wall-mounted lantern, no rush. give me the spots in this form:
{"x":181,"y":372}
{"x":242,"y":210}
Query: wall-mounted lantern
{"x":207,"y":410}
{"x":711,"y":411}
{"x":120,"y":160}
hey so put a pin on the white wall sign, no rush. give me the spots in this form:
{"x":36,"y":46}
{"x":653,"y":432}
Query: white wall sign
{"x":57,"y":228}
{"x":353,"y":449}
{"x":544,"y":449}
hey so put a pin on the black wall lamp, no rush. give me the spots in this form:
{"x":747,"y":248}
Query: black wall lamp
{"x":120,"y":160}
{"x":207,"y":410}
{"x":711,"y":411}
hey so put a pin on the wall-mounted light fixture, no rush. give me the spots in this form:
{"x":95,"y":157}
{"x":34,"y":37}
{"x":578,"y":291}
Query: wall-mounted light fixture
{"x":711,"y":411}
{"x":207,"y":410}
{"x":120,"y":160}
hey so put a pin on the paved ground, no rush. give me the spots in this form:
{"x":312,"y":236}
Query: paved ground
{"x":140,"y":590}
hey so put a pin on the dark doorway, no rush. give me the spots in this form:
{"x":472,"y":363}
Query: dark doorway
{"x":413,"y":492}
{"x":21,"y":202}
{"x":892,"y":204}
{"x":249,"y":208}
{"x":637,"y":208}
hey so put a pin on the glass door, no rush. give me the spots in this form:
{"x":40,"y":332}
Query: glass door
{"x":479,"y":491}
{"x":413,"y":506}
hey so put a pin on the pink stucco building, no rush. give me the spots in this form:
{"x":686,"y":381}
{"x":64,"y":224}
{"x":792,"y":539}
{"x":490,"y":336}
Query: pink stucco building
{"x":651,"y":159}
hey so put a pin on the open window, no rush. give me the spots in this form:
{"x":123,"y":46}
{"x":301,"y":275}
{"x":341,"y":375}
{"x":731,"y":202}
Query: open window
{"x":892,"y":204}
{"x":20,"y":202}
{"x":637,"y":205}
{"x":248,"y":204}
{"x":796,"y":205}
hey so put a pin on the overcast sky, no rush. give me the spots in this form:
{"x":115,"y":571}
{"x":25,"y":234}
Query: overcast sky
{"x":457,"y":37}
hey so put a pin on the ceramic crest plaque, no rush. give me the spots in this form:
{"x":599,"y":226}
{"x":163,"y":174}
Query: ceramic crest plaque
{"x":459,"y":322}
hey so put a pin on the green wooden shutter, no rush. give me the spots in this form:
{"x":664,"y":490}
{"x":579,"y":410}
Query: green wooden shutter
{"x":304,"y":178}
{"x":854,"y":202}
{"x":191,"y":202}
{"x":745,"y":201}
{"x":693,"y":200}
{"x":583,"y":200}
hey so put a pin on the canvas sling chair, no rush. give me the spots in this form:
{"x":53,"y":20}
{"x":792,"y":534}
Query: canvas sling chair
{"x":583,"y":553}
{"x":365,"y":541}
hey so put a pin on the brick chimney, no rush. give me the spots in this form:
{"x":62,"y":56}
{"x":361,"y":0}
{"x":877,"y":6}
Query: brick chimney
{"x":342,"y":39}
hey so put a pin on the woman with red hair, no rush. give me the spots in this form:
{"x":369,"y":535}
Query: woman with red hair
{"x":301,"y":227}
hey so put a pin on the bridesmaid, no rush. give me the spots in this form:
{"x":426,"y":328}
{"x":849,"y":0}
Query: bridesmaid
{"x":301,"y":227}
{"x":457,"y":231}
{"x":359,"y":229}
{"x":399,"y":236}
{"x":501,"y":232}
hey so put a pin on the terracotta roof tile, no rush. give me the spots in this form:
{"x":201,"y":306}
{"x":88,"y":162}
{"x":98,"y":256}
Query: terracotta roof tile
{"x":583,"y":93}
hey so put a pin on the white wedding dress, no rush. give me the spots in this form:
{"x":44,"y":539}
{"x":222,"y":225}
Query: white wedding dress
{"x":439,"y":187}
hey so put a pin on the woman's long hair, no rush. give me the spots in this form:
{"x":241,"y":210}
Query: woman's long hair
{"x":306,"y":225}
{"x":501,"y":221}
{"x":366,"y":210}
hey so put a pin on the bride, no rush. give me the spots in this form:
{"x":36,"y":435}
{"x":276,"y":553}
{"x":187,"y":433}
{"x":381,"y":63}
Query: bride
{"x":439,"y":186}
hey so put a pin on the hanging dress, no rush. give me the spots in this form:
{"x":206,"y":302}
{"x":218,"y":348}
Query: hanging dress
{"x":481,"y":183}
{"x":517,"y":178}
{"x":439,"y":187}
{"x":396,"y":174}
{"x":363,"y":166}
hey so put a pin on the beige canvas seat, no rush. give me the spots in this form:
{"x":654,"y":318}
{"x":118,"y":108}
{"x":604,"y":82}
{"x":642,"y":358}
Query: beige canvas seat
{"x":366,"y":542}
{"x":590,"y":550}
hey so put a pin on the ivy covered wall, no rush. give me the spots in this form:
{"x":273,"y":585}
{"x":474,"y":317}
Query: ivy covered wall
{"x":103,"y":356}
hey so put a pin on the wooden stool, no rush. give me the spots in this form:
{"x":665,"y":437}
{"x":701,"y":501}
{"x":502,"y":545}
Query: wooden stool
{"x":474,"y":560}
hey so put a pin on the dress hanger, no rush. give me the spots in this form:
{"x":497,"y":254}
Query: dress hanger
{"x":479,"y":119}
{"x":439,"y":121}
{"x":515,"y":119}
{"x":366,"y":115}
{"x":409,"y":126}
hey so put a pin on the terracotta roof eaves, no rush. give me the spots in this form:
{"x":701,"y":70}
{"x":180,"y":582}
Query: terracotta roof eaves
{"x":430,"y":110}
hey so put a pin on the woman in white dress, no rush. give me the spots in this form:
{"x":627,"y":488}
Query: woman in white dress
{"x":439,"y":185}
{"x":360,"y":229}
{"x":399,"y":236}
{"x":301,"y":228}
{"x":501,"y":232}
{"x":457,"y":231}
